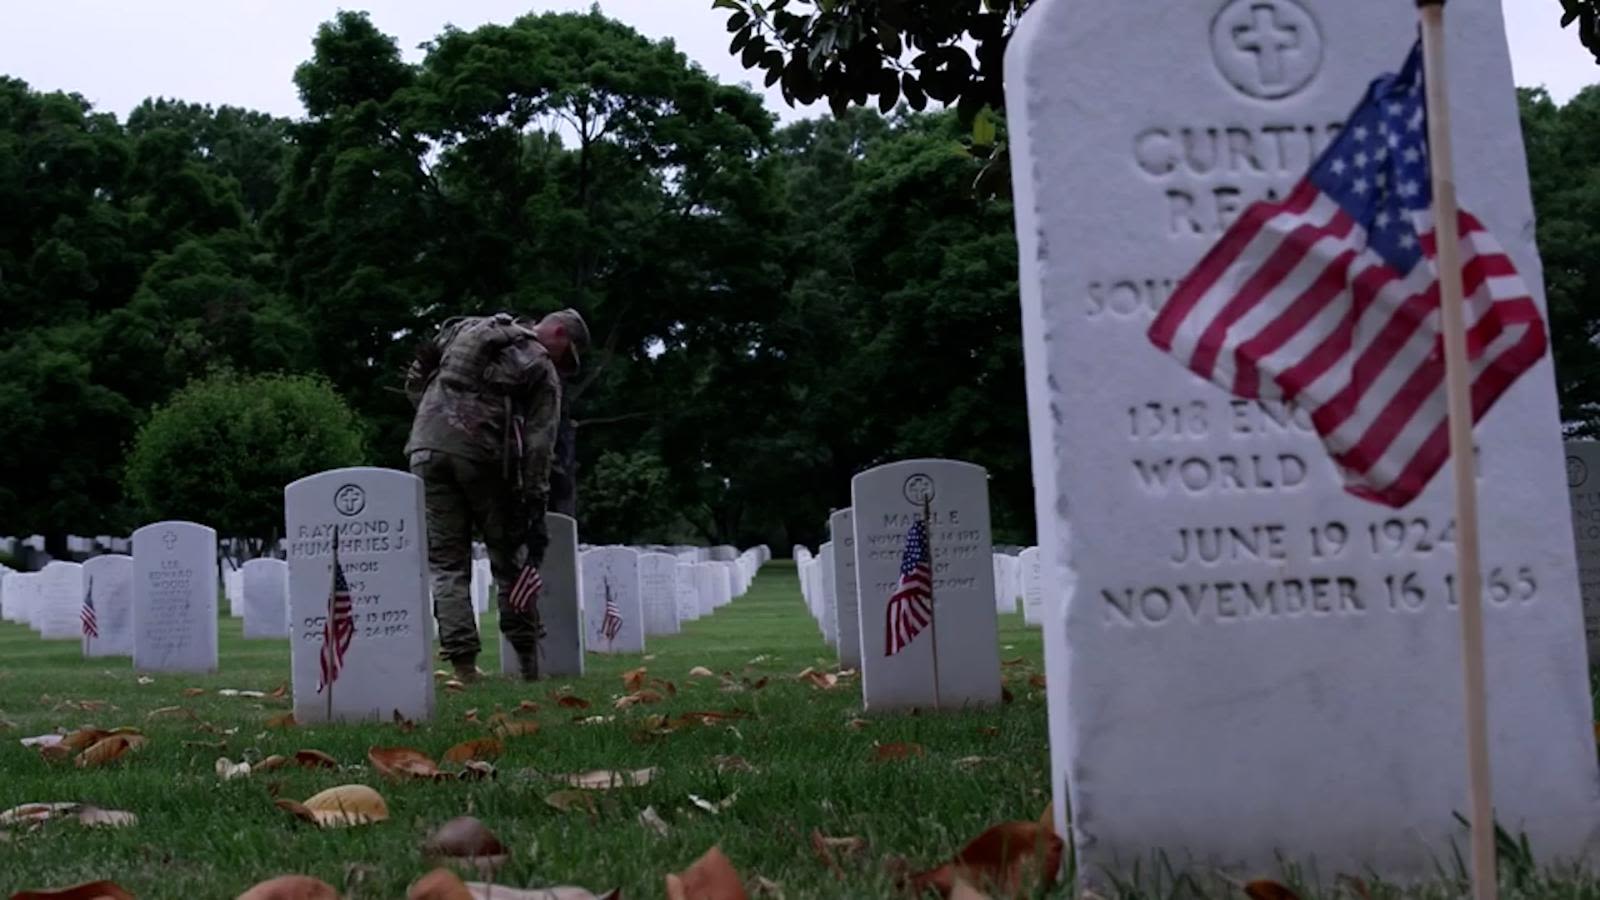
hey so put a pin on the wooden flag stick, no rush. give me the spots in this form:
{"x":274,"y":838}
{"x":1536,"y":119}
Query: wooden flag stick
{"x":933,"y":603}
{"x":1462,"y":456}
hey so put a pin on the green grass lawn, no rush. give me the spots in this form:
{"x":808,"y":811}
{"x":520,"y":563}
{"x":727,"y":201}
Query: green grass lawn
{"x":199,"y":837}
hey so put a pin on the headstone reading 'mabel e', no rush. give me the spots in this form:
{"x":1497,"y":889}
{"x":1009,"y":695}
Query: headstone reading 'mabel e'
{"x":950,"y":659}
{"x":108,"y":583}
{"x":1245,"y":636}
{"x":842,"y":527}
{"x":175,"y":598}
{"x":611,"y":603}
{"x":560,"y":608}
{"x":376,"y":516}
{"x":1583,"y":486}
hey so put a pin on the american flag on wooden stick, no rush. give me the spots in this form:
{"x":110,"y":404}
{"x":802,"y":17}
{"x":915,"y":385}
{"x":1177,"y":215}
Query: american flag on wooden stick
{"x":611,"y":622}
{"x":911,"y":605}
{"x":340,"y":626}
{"x":1329,"y":300}
{"x":91,"y":622}
{"x":525,"y":590}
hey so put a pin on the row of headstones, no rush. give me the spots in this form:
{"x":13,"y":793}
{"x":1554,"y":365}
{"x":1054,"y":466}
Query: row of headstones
{"x":948,"y":660}
{"x":1016,"y":581}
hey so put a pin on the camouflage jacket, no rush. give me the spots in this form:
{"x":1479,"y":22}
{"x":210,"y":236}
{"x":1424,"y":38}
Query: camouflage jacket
{"x":487,"y":390}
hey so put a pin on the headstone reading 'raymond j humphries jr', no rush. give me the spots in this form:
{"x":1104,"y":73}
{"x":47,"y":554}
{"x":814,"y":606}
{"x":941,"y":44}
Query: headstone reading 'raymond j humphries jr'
{"x":1258,"y":665}
{"x":1583,"y":485}
{"x":953,"y":660}
{"x":376,"y":516}
{"x":175,"y":598}
{"x":560,"y":611}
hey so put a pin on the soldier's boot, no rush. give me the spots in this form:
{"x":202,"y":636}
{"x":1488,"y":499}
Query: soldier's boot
{"x":530,"y":665}
{"x":467,"y":671}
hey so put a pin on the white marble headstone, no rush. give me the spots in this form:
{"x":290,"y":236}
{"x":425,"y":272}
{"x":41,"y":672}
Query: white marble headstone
{"x":1583,"y":487}
{"x":707,"y":577}
{"x":60,"y":602}
{"x":613,"y":571}
{"x":560,"y":606}
{"x":22,"y":593}
{"x":686,"y":592}
{"x":828,"y":608}
{"x":1245,"y":636}
{"x":847,"y":612}
{"x":175,"y":598}
{"x":1032,"y":590}
{"x":658,"y":580}
{"x":108,"y":579}
{"x":376,"y":516}
{"x":233,"y":589}
{"x":964,"y":629}
{"x":265,"y":598}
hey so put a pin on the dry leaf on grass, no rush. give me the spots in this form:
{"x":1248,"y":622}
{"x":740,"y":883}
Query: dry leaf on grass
{"x":228,"y":770}
{"x":701,"y":672}
{"x":274,"y":761}
{"x":1019,"y":661}
{"x":36,"y":814}
{"x":291,"y":887}
{"x":829,"y":850}
{"x":1265,"y":889}
{"x":1047,"y":819}
{"x":605,"y":779}
{"x":653,"y":821}
{"x":716,"y":807}
{"x":510,"y":729}
{"x":1014,"y":858}
{"x":440,"y":884}
{"x":405,"y":725}
{"x":711,"y":877}
{"x":478,"y":748}
{"x":282,"y":720}
{"x":235,"y":692}
{"x":963,"y":891}
{"x":572,"y":702}
{"x":528,"y":706}
{"x":455,"y":684}
{"x":633,"y":679}
{"x":170,"y":712}
{"x":643,"y":696}
{"x":193,"y":692}
{"x":569,"y":800}
{"x":146,"y":679}
{"x":1036,"y":680}
{"x":973,"y":762}
{"x":338,"y":807}
{"x":726,"y":764}
{"x":44,"y":740}
{"x":476,"y":770}
{"x":315,"y":759}
{"x":94,"y":890}
{"x":464,"y":837}
{"x":83,"y":737}
{"x":402,"y":762}
{"x":885,"y":752}
{"x":107,"y":750}
{"x":822,"y":681}
{"x":472,"y":714}
{"x":989,"y":731}
{"x":857,"y":724}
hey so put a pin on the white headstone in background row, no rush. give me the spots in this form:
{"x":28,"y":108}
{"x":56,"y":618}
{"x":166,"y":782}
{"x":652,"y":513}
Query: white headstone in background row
{"x":1032,"y":590}
{"x":61,"y":602}
{"x":233,"y":589}
{"x":1236,"y":605}
{"x":266,"y":598}
{"x":963,"y":631}
{"x":1583,"y":489}
{"x":22,"y":593}
{"x":482,"y":578}
{"x":108,"y":582}
{"x":706,"y":579}
{"x":612,"y":572}
{"x":377,"y":518}
{"x":829,"y":605}
{"x":847,"y":612}
{"x":560,"y":606}
{"x":175,"y":598}
{"x":686,"y":593}
{"x":658,"y":582}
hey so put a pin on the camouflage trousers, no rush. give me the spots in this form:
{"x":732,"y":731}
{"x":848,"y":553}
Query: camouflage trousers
{"x":461,"y":496}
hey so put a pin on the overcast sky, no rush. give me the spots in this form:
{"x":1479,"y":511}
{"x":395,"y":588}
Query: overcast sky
{"x":243,"y":52}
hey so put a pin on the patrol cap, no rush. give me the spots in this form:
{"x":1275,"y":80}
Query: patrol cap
{"x":577,"y":334}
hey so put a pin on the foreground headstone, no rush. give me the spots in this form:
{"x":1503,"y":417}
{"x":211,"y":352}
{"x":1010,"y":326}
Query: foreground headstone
{"x":847,"y":613}
{"x":1245,"y":636}
{"x":560,"y":606}
{"x":61,"y":602}
{"x":954,"y":660}
{"x":108,"y":582}
{"x":1583,"y":489}
{"x":612,"y":572}
{"x":175,"y":598}
{"x":658,"y":580}
{"x":376,"y":516}
{"x":266,"y":598}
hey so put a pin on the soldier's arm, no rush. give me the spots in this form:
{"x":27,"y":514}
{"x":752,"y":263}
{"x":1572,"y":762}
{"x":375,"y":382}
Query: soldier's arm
{"x":426,"y":363}
{"x":539,"y":441}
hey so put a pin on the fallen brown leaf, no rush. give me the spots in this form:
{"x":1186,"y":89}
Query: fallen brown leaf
{"x":315,"y":759}
{"x":1036,"y":680}
{"x":83,"y":737}
{"x":54,"y":753}
{"x":440,"y":884}
{"x":823,"y":681}
{"x":963,"y":891}
{"x":643,"y":696}
{"x":282,"y":720}
{"x":272,"y":762}
{"x":472,"y":714}
{"x":476,"y":770}
{"x":43,"y":740}
{"x":766,"y":887}
{"x":1265,"y":889}
{"x":297,"y":809}
{"x":402,"y":762}
{"x":605,"y":779}
{"x":989,"y":731}
{"x":207,"y":745}
{"x":478,"y":748}
{"x":405,"y":725}
{"x":653,"y":821}
{"x":711,"y":877}
{"x":857,"y":724}
{"x":572,"y":702}
{"x":105,"y":751}
{"x":885,"y":752}
{"x":36,"y":814}
{"x":633,"y":679}
{"x":510,"y":729}
{"x":758,"y":684}
{"x":972,"y":762}
{"x":568,"y":800}
{"x":528,"y":706}
{"x":279,"y":692}
{"x":465,"y":837}
{"x":829,"y":849}
{"x":701,"y":672}
{"x":193,"y":692}
{"x":95,"y":817}
{"x":170,"y":712}
{"x":454,"y":684}
{"x":1019,"y":661}
{"x":94,"y":890}
{"x":726,"y":764}
{"x":1011,"y":858}
{"x":1047,"y":819}
{"x":347,"y":804}
{"x":291,"y":887}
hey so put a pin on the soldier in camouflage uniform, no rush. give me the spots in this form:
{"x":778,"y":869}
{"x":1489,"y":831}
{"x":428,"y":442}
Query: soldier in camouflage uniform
{"x":488,"y":397}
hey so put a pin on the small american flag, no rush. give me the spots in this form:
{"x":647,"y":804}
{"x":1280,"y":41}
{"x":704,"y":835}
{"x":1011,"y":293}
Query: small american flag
{"x":91,"y":622}
{"x":911,"y":604}
{"x":525,"y":591}
{"x":1330,"y":300}
{"x":340,"y":626}
{"x":611,"y":622}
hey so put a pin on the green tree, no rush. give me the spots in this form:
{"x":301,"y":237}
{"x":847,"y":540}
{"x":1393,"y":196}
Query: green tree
{"x":222,"y":449}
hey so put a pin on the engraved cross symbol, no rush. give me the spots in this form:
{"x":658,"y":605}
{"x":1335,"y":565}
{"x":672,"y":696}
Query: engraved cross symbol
{"x":1267,"y":38}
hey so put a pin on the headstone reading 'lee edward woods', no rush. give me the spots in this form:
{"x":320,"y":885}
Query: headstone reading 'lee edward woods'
{"x":613,"y":572}
{"x":265,"y":598}
{"x":560,"y":610}
{"x":842,"y":527}
{"x":960,"y":645}
{"x":108,"y":582}
{"x":175,"y":598}
{"x":1583,"y":485}
{"x":658,"y":582}
{"x":376,"y":517}
{"x":1244,"y":636}
{"x":62,"y":584}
